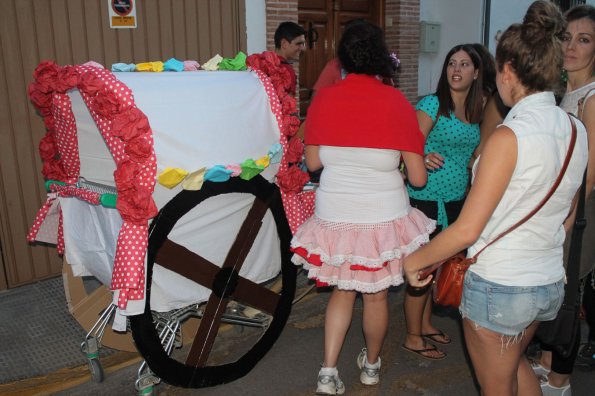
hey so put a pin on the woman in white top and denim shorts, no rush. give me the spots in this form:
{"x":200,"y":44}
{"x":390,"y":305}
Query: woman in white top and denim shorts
{"x":517,"y":281}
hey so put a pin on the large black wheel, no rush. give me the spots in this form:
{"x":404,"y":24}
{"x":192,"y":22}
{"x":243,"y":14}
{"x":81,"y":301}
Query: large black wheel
{"x":226,"y":285}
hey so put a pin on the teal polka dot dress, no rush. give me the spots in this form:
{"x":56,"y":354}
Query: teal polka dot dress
{"x":455,"y":141}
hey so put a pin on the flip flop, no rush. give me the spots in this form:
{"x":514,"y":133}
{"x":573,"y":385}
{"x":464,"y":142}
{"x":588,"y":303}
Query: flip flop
{"x":420,"y":352}
{"x":433,"y":338}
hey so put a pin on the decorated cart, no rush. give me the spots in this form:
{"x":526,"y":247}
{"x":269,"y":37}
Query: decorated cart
{"x":179,"y":192}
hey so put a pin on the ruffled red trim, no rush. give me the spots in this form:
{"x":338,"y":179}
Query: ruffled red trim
{"x":357,"y":267}
{"x":129,"y":138}
{"x":129,"y":124}
{"x":291,"y":178}
{"x":315,"y":260}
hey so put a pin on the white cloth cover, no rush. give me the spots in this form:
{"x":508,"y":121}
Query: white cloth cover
{"x":198,"y":120}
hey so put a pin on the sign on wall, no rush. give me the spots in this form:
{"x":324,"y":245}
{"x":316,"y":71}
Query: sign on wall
{"x":122,"y":14}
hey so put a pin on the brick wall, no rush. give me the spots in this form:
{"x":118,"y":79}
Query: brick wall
{"x":278,"y":11}
{"x":403,"y":38}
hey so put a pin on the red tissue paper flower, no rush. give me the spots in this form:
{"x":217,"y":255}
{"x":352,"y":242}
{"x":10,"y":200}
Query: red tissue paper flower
{"x":50,"y":123}
{"x":90,"y":84}
{"x":47,"y":148}
{"x":291,"y":124}
{"x":106,"y":104}
{"x":292,"y":179}
{"x":295,"y":149}
{"x":125,"y":174}
{"x":68,"y":77}
{"x":139,"y":149}
{"x":130,"y":124}
{"x":41,"y":100}
{"x":268,"y":62}
{"x":289,"y":105}
{"x":52,"y":170}
{"x":46,"y":75}
{"x":281,"y":79}
{"x":136,"y":205}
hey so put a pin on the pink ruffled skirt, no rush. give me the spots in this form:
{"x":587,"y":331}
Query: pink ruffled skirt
{"x":361,"y":257}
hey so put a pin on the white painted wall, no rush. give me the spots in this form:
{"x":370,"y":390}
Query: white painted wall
{"x":256,"y":26}
{"x":506,"y":12}
{"x":503,"y":13}
{"x":460,"y":21}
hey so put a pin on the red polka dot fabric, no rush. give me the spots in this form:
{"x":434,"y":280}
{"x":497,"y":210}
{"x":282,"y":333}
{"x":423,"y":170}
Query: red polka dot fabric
{"x":110,"y":102}
{"x":298,"y":206}
{"x":128,"y":274}
{"x":107,"y":99}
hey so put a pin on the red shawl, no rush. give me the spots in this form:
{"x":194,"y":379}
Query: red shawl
{"x":361,"y":111}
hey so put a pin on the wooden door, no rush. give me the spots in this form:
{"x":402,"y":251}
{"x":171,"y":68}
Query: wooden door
{"x":324,"y":21}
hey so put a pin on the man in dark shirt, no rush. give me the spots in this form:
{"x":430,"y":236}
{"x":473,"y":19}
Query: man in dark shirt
{"x":290,"y":41}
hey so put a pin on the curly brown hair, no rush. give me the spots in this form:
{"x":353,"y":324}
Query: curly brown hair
{"x":362,"y":50}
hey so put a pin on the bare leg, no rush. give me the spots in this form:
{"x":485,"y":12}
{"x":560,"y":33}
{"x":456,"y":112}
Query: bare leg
{"x":426,"y":321}
{"x":415,"y":305}
{"x":526,"y":379}
{"x":546,"y":359}
{"x":375,"y":323}
{"x":499,"y":364}
{"x":555,"y":379}
{"x":339,"y":312}
{"x":558,"y":380}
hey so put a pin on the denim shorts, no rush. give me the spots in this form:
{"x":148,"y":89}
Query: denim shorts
{"x":508,"y":310}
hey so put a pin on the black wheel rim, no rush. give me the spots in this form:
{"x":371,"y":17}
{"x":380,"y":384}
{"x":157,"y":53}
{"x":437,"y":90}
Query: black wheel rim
{"x":196,"y":374}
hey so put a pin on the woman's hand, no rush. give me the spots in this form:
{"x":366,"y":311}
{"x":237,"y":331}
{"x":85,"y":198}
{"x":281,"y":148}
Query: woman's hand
{"x":433,"y":161}
{"x":413,"y":276}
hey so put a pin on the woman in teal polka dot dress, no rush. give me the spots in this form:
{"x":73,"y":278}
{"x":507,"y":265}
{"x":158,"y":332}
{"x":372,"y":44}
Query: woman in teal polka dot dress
{"x":450,"y":121}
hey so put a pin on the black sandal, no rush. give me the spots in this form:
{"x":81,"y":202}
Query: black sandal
{"x":420,"y":352}
{"x":432,"y":337}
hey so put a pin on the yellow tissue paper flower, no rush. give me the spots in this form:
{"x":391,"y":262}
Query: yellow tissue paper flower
{"x":157,"y":66}
{"x":146,"y":66}
{"x":171,"y":177}
{"x":194,"y":180}
{"x":150,"y":67}
{"x":263,"y":161}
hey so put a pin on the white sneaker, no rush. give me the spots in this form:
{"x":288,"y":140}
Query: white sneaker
{"x":329,"y":384}
{"x":538,"y":368}
{"x":370,"y":374}
{"x":549,"y":390}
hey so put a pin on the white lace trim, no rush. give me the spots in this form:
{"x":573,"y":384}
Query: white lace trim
{"x":340,"y":226}
{"x":355,"y":285}
{"x":338,"y":260}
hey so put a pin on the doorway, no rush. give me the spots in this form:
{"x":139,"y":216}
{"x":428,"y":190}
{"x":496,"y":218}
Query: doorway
{"x":324,"y":21}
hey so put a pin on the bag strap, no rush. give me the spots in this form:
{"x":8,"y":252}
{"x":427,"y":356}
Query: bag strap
{"x":548,"y":195}
{"x":574,"y":255}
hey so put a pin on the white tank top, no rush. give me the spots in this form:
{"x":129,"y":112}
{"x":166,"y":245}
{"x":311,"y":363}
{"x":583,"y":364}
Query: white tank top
{"x":531,"y":255}
{"x":360,"y":185}
{"x":570,"y":102}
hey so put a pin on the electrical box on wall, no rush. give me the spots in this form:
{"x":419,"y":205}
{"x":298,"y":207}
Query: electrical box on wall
{"x":429,"y":39}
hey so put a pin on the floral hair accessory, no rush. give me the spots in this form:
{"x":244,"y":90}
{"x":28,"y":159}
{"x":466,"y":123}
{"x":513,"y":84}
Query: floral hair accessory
{"x":396,"y":61}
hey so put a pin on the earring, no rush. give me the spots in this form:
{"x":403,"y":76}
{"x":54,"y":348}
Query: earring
{"x":564,"y":75}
